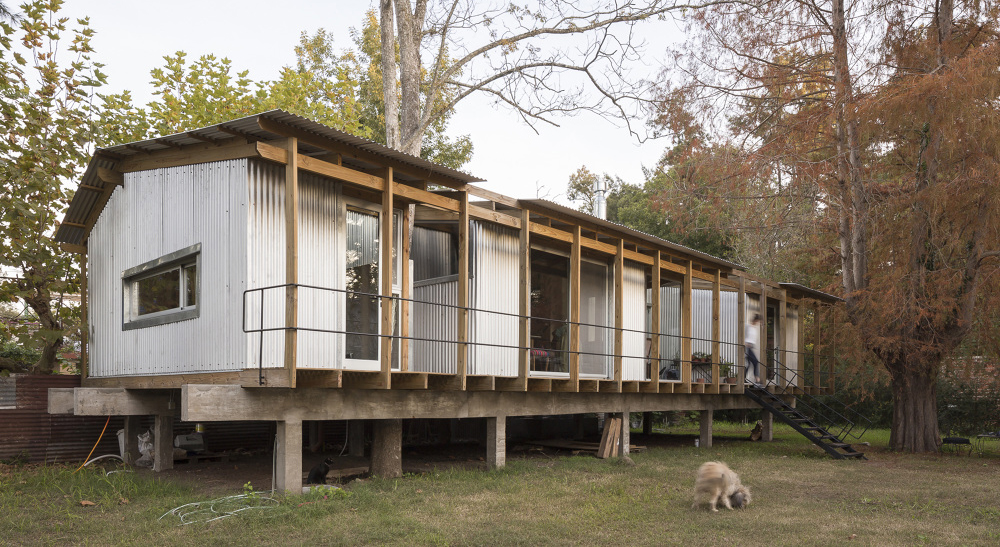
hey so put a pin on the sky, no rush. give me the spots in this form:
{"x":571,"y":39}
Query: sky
{"x":133,"y":36}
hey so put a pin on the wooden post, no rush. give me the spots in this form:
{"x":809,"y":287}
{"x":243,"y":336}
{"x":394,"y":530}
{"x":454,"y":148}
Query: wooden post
{"x":832,"y":354}
{"x":781,"y":376}
{"x":524,"y":303}
{"x":385,"y":270}
{"x":763,"y":351}
{"x":800,"y":350}
{"x":741,"y":320}
{"x":687,"y":294}
{"x":817,"y":372}
{"x":84,"y":322}
{"x":654,"y":320}
{"x":404,"y":282}
{"x":574,"y":311}
{"x":619,"y":310}
{"x":291,"y":258}
{"x":463,"y":289}
{"x":163,"y":442}
{"x":716,"y":331}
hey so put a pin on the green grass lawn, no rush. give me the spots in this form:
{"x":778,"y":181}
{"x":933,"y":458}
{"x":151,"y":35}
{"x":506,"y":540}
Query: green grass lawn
{"x":801,"y":497}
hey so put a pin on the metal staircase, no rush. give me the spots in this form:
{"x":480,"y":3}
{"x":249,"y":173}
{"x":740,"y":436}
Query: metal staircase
{"x":813,"y":418}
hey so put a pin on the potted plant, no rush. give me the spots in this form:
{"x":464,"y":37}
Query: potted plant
{"x":728,"y":371}
{"x":700,"y":357}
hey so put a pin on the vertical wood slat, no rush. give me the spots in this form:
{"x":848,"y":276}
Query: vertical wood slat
{"x":524,"y":301}
{"x":84,"y":321}
{"x":762,"y":349}
{"x":404,"y":282}
{"x":619,"y":310}
{"x":463,"y":288}
{"x":291,"y":258}
{"x":655,"y":326}
{"x":800,"y":349}
{"x":817,"y":372}
{"x":574,"y":313}
{"x":783,"y":342}
{"x":687,"y":294}
{"x":741,"y":321}
{"x":385,"y":269}
{"x":716,"y":331}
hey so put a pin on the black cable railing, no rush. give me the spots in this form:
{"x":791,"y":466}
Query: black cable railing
{"x":667,"y":367}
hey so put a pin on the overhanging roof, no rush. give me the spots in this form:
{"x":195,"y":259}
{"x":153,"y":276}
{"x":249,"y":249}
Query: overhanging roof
{"x":368,"y":155}
{"x":818,"y":295}
{"x":546,"y":205}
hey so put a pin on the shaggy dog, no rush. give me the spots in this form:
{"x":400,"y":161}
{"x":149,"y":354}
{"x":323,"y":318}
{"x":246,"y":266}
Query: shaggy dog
{"x":715,"y":483}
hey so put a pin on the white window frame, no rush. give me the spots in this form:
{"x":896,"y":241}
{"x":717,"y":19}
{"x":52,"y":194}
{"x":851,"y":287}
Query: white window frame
{"x":130,"y":289}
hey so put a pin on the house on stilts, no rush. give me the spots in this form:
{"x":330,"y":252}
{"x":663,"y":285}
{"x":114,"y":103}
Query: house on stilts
{"x":272,"y":268}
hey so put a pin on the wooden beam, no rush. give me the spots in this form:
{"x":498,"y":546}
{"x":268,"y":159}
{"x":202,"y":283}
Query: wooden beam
{"x":463,"y":289}
{"x":574,"y":311}
{"x":800,"y":349}
{"x":189,"y":155}
{"x":741,"y":322}
{"x":398,"y":166}
{"x":404,"y":282}
{"x":503,"y":219}
{"x":551,"y":233}
{"x":90,"y":188}
{"x":687,"y":295}
{"x":783,"y":342}
{"x":619,"y":311}
{"x":291,"y":260}
{"x":524,"y":302}
{"x":492,"y":196}
{"x":386,"y":269}
{"x":70,"y":248}
{"x":816,"y":342}
{"x":716,"y":332}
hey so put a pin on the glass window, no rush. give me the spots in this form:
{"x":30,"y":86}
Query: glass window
{"x":162,"y":291}
{"x":362,"y":284}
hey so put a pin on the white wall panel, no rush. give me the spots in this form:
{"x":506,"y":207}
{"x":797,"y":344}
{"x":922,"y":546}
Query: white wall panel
{"x":493,"y":288}
{"x":634,"y":319}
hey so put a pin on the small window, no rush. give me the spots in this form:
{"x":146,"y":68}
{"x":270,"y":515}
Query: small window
{"x":162,"y":291}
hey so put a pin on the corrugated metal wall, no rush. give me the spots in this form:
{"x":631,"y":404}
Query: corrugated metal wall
{"x":432,"y":322}
{"x":493,"y":287}
{"x":596,"y":291}
{"x":433,"y":254}
{"x":155,"y":213}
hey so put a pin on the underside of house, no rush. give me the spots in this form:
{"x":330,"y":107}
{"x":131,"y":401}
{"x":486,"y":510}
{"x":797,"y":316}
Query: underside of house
{"x":271,"y":268}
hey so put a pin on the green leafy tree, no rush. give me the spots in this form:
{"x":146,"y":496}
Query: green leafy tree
{"x":45,"y":131}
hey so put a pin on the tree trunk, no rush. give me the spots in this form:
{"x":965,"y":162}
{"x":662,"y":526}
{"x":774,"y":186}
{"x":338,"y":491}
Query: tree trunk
{"x":387,"y":448}
{"x":389,"y":95}
{"x":914,"y":409}
{"x":410,"y":25}
{"x":52,"y":330}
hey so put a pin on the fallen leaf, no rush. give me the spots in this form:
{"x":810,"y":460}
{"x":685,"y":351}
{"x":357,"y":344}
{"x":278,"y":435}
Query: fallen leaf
{"x":419,"y":491}
{"x":852,"y":536}
{"x":87,"y":503}
{"x":123,"y":501}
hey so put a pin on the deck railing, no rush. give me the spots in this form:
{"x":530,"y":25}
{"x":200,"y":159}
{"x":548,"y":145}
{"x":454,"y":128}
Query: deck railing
{"x":665,"y":368}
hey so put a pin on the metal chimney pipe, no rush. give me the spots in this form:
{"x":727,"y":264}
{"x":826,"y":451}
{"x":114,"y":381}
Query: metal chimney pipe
{"x":601,"y":204}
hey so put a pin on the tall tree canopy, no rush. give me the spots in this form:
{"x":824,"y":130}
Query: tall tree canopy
{"x":44,"y":130}
{"x":873,"y":128}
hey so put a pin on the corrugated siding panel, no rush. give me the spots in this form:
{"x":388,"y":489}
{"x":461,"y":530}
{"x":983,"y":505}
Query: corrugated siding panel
{"x":435,"y":323}
{"x":433,"y":254}
{"x":670,"y":322}
{"x":595,"y":309}
{"x":493,"y":287}
{"x":266,"y":262}
{"x":319,"y":265}
{"x":158,"y":212}
{"x":634,"y":319}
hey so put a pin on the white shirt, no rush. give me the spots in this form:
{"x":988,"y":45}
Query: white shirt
{"x":750,"y":336}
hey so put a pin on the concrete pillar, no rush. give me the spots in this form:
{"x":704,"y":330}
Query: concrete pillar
{"x":647,"y":423}
{"x":387,"y":449}
{"x":496,"y":442}
{"x":356,"y":438}
{"x":288,"y":460}
{"x":767,"y":426}
{"x":163,"y":442}
{"x":706,"y":418}
{"x":131,"y":439}
{"x":623,"y":440}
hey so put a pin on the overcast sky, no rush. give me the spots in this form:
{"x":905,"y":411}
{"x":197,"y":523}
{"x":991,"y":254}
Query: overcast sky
{"x":259,"y":36}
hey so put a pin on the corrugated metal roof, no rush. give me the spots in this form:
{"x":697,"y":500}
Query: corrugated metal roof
{"x":819,"y":295}
{"x":85,"y":200}
{"x":543,"y":204}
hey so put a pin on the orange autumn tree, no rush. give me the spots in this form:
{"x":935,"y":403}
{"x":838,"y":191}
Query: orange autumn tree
{"x":877,"y":125}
